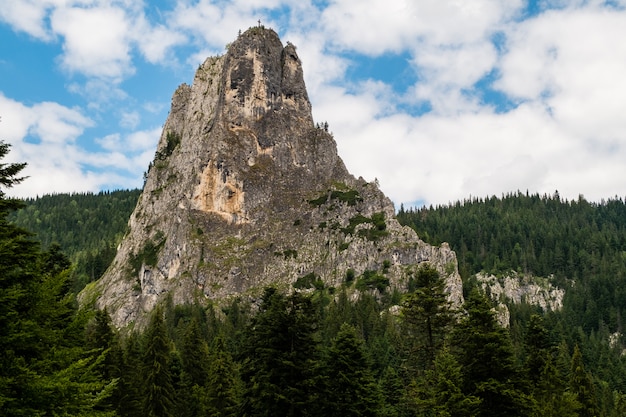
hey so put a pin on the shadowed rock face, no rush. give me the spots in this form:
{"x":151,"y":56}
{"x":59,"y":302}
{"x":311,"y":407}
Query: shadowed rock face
{"x":244,"y":191}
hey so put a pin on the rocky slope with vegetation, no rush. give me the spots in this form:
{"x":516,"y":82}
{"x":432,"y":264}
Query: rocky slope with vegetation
{"x":246,"y":190}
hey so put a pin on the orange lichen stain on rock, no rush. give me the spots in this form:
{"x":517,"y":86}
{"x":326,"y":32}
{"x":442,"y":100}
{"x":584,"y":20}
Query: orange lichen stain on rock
{"x":221,"y":193}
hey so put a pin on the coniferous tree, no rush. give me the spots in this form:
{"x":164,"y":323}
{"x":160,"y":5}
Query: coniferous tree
{"x":537,"y":346}
{"x":427,"y":316}
{"x":194,"y":354}
{"x":223,"y":385}
{"x":158,"y":392}
{"x":486,"y":355}
{"x":45,"y":368}
{"x":581,"y":384}
{"x":547,"y":385}
{"x":194,"y":362}
{"x":101,"y":338}
{"x":394,"y":392}
{"x":553,"y":397}
{"x":280,"y":355}
{"x":349,"y":387}
{"x":439,"y":391}
{"x":131,"y":383}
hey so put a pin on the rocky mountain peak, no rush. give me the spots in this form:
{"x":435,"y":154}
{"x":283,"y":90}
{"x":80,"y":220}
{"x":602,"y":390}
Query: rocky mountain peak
{"x":263,"y":82}
{"x":245,"y":191}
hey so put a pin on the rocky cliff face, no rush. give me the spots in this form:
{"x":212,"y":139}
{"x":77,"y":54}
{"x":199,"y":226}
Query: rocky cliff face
{"x":245,"y":191}
{"x":516,"y":289}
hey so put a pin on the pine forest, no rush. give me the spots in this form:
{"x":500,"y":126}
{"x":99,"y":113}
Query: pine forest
{"x":321,"y":351}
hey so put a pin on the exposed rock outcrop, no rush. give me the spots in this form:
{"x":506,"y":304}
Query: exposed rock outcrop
{"x":515,"y":288}
{"x":246,"y":191}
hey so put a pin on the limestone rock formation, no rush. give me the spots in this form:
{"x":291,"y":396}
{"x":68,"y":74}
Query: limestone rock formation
{"x":245,"y":191}
{"x":516,"y":289}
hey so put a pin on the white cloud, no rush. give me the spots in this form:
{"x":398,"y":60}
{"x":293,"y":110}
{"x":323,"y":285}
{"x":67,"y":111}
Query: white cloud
{"x":375,"y":26}
{"x":156,"y":41}
{"x":95,"y":40}
{"x":140,"y":141}
{"x":563,"y":69}
{"x":27,"y":16}
{"x":45,"y":136}
{"x":97,"y":36}
{"x":569,"y":61}
{"x":48,"y":122}
{"x":213,"y":25}
{"x":130,"y":120}
{"x":98,"y":92}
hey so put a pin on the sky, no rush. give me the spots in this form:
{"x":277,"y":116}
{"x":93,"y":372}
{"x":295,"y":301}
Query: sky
{"x":437,"y":100}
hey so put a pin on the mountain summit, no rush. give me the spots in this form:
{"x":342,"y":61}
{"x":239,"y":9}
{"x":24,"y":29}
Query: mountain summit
{"x":246,"y":191}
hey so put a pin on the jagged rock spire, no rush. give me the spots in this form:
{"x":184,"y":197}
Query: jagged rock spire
{"x":244,"y":191}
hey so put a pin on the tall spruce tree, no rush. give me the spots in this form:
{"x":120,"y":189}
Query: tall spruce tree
{"x":45,"y":368}
{"x":131,"y":383}
{"x":548,"y":387}
{"x":427,"y":316}
{"x":438,"y":392}
{"x":485,"y":352}
{"x":158,"y":393}
{"x":581,"y":384}
{"x":223,"y":387}
{"x":279,"y":357}
{"x":349,"y":386}
{"x":194,"y":359}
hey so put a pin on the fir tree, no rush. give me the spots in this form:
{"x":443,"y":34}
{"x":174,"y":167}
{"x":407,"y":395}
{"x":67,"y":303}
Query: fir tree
{"x":280,"y":355}
{"x":194,"y":361}
{"x":439,"y":391}
{"x":158,"y":393}
{"x":553,"y":397}
{"x":130,"y":403}
{"x":222,"y":392}
{"x":45,"y":368}
{"x":427,"y":316}
{"x":486,"y":355}
{"x":349,"y":385}
{"x":581,"y":384}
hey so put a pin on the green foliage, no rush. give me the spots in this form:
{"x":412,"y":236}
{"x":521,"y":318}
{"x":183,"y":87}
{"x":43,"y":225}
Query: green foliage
{"x":371,"y":280}
{"x":349,"y":387}
{"x":350,"y":197}
{"x":576,"y":245}
{"x":486,"y":354}
{"x":439,"y":392}
{"x":9,"y":171}
{"x":223,"y":383}
{"x":148,"y":254}
{"x":377,"y":229}
{"x":428,"y":316}
{"x":280,"y":355}
{"x":581,"y":384}
{"x":350,"y":275}
{"x":545,"y":236}
{"x":158,"y":394}
{"x":309,"y":281}
{"x":172,"y":140}
{"x":287,"y":254}
{"x":86,"y":227}
{"x":45,"y":368}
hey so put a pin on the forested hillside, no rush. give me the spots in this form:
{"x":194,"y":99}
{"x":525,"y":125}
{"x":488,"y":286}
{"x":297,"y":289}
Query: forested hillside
{"x":580,"y":245}
{"x":323,"y":352}
{"x":87,"y":227}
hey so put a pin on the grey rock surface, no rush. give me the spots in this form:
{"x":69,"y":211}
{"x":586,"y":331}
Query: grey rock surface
{"x":246,"y":191}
